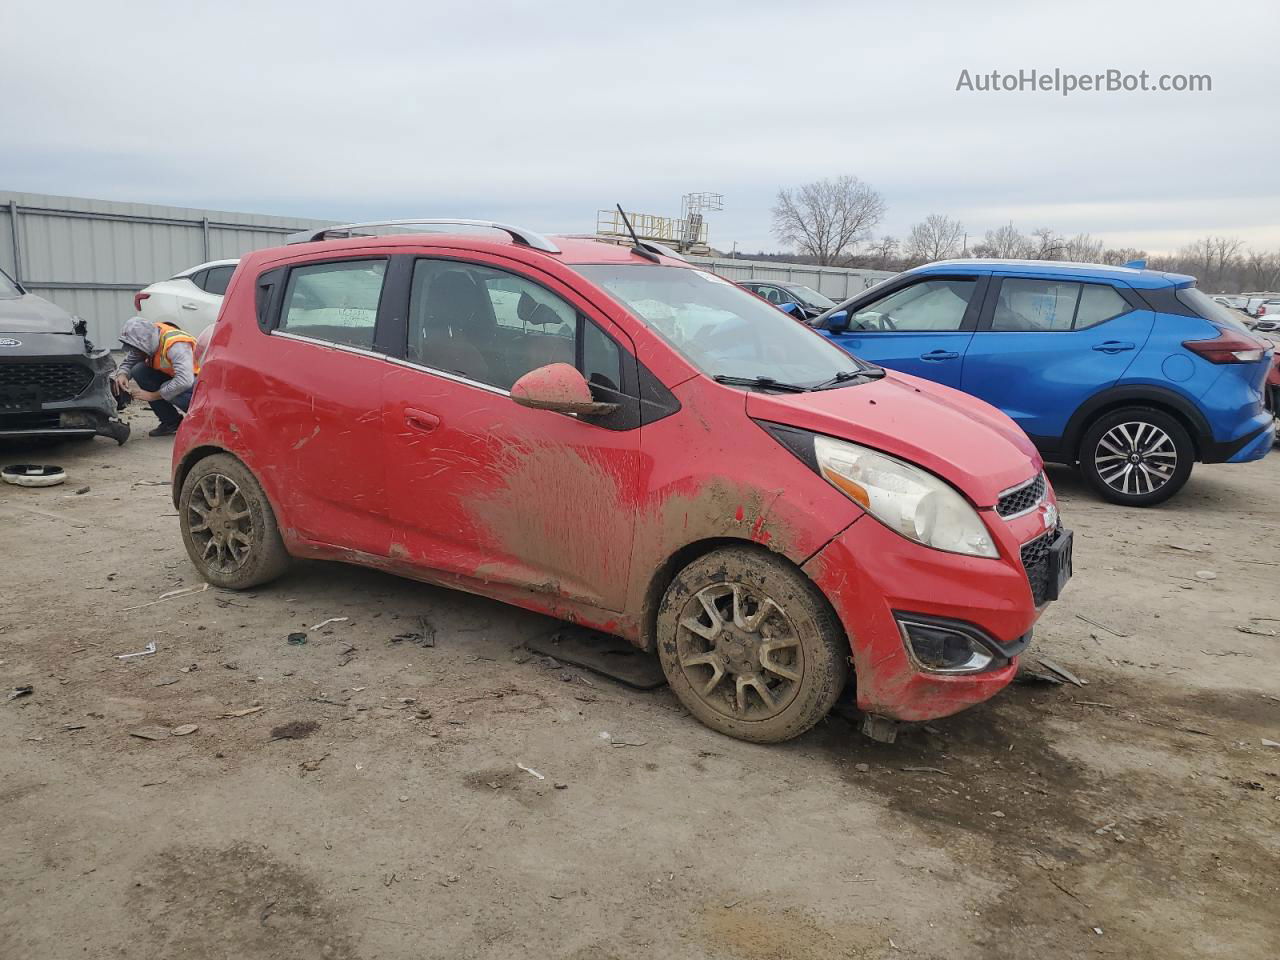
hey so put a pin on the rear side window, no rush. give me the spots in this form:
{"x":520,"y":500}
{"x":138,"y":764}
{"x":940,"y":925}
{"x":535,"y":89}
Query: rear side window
{"x":337,"y":302}
{"x":217,"y":278}
{"x":1049,"y":306}
{"x":1207,"y":307}
{"x":1035,"y":305}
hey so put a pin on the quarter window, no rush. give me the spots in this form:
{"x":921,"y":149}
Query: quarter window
{"x":337,"y":302}
{"x":217,"y":278}
{"x":494,"y":327}
{"x":933,"y":305}
{"x":1098,"y":303}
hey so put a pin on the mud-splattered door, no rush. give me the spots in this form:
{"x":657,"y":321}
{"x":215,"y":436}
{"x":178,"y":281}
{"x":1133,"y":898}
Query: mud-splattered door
{"x":499,"y":493}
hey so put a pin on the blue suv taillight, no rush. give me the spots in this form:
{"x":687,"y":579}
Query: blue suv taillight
{"x":1228,"y":347}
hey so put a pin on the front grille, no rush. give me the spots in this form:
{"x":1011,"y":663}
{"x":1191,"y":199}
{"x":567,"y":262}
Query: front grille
{"x":1035,"y":560}
{"x":1022,"y":499}
{"x":44,"y":382}
{"x":29,"y":421}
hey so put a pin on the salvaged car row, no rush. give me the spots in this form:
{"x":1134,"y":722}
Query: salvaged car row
{"x":613,"y":436}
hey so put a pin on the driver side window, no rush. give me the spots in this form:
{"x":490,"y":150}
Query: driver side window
{"x":928,"y":306}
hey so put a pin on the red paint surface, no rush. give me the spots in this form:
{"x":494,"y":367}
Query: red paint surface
{"x":393,"y":466}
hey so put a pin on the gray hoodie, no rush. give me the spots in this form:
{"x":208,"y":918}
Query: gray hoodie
{"x":141,"y":337}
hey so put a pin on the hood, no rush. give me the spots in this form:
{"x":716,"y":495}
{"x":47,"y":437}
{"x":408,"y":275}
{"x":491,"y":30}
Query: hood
{"x":31,"y":314}
{"x":140,"y":333}
{"x":962,"y":439}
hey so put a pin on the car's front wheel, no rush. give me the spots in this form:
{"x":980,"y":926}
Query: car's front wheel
{"x":228,"y":525}
{"x":1136,"y":456}
{"x":750,"y":646}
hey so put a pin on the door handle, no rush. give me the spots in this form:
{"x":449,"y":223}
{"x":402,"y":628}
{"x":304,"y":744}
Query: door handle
{"x":1113,"y":346}
{"x":421,"y":420}
{"x":934,"y":355}
{"x":190,"y":306}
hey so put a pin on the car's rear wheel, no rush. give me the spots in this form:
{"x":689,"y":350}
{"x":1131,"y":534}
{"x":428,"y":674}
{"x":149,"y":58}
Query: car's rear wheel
{"x":228,"y":525}
{"x":1136,"y":456}
{"x":749,"y":645}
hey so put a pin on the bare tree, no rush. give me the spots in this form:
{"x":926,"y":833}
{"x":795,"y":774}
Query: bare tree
{"x":1082,"y":248}
{"x":1263,"y":270}
{"x":937,"y":237}
{"x":1046,"y":244}
{"x":1118,"y":256}
{"x":827,"y":219}
{"x":1211,"y":259}
{"x":1005,"y":243}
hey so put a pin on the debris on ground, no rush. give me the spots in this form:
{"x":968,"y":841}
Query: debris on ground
{"x":165,"y":681}
{"x":1097,"y":623}
{"x":1063,"y":672}
{"x":325,"y":623}
{"x":862,"y":767}
{"x":532,"y":772}
{"x":294,"y":730}
{"x":150,"y":733}
{"x":925,"y":770}
{"x":184,"y":730}
{"x":561,"y":786}
{"x":311,"y":766}
{"x":1034,"y":678}
{"x":1269,"y":743}
{"x":240,"y":713}
{"x":146,"y":651}
{"x":296,"y":639}
{"x":17,"y":692}
{"x":81,"y":491}
{"x":424,"y":636}
{"x":1257,"y":631}
{"x":1206,"y":575}
{"x":171,"y":595}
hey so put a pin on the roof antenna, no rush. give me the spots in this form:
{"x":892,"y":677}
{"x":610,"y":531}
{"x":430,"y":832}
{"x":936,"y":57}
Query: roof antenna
{"x":639,"y":249}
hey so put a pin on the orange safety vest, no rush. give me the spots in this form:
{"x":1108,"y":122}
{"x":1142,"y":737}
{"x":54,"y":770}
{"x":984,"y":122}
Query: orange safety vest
{"x":169,"y":335}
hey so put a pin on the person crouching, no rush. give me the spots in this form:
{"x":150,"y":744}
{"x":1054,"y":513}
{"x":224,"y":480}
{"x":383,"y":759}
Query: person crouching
{"x":160,"y":359}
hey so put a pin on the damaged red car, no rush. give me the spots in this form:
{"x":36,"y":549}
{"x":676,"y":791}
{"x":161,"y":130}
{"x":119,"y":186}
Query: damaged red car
{"x":611,"y":435}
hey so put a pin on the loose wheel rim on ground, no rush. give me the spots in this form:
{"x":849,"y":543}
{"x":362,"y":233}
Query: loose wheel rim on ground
{"x":1135,"y":458}
{"x":740,"y":653}
{"x":220,"y":523}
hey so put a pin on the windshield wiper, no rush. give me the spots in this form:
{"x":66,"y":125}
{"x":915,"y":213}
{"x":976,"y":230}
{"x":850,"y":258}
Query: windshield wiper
{"x":762,"y":383}
{"x":844,"y":376}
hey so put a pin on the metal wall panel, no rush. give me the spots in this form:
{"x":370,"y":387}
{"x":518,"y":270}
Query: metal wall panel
{"x":91,"y":256}
{"x":838,"y":283}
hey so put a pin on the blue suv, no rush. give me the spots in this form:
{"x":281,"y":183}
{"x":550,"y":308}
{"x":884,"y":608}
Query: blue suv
{"x":1131,"y":373}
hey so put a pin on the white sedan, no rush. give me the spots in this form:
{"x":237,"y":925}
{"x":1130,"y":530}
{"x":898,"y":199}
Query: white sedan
{"x":190,"y":299}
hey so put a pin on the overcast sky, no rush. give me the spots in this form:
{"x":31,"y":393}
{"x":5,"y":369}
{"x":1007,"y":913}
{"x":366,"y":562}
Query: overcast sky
{"x":541,"y":113}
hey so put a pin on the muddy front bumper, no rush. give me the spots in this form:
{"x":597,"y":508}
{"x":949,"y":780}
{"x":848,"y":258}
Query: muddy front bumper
{"x":59,"y":394}
{"x":893,"y":596}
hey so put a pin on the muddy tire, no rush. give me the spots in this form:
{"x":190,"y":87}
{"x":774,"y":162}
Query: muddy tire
{"x":228,"y":525}
{"x":750,"y":646}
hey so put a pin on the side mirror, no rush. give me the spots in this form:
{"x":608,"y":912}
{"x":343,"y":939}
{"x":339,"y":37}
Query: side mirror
{"x":560,"y":388}
{"x":838,"y":322}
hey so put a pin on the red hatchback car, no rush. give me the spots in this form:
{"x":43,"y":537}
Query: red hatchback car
{"x":613,"y":436}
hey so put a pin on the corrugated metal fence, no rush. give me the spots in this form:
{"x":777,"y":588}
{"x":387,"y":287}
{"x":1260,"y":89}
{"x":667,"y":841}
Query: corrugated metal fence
{"x":837,"y":283}
{"x":92,"y":256}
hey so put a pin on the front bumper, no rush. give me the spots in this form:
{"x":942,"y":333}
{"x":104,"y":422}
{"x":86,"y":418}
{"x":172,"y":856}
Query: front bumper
{"x":58,"y":395}
{"x":871,"y":575}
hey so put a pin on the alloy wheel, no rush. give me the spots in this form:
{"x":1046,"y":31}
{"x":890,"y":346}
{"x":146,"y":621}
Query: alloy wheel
{"x":739,"y":651}
{"x":220,"y":523}
{"x":1135,"y":458}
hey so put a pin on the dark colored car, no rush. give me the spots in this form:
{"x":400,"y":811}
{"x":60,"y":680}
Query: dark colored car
{"x":808,"y":303}
{"x":53,"y":380}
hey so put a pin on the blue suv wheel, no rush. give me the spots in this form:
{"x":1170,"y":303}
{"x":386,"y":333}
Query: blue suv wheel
{"x":1136,"y":456}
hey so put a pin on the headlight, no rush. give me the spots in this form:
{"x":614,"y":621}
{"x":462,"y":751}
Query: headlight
{"x":906,"y":499}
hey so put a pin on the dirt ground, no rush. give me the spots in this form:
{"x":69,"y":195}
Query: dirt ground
{"x":359,"y":796}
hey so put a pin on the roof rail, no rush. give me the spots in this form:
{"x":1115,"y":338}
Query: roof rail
{"x":526,"y":237}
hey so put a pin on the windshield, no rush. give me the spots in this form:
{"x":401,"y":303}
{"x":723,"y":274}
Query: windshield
{"x":8,"y":289}
{"x":1210,"y":308}
{"x":719,"y":327}
{"x":810,"y":297}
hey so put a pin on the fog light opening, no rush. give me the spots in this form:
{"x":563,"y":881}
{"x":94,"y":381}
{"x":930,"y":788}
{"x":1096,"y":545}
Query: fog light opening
{"x":943,"y":650}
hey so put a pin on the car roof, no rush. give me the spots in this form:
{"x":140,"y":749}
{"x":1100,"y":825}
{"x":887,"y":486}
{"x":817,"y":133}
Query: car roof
{"x":1060,"y":268}
{"x":204,"y":266}
{"x":578,"y":251}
